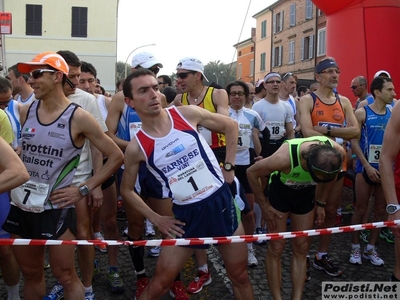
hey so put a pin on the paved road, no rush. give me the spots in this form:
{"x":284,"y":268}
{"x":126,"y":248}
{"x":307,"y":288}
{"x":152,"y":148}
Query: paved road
{"x":220,"y":287}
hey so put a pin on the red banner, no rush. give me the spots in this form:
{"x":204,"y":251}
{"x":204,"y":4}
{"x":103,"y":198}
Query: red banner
{"x":5,"y":23}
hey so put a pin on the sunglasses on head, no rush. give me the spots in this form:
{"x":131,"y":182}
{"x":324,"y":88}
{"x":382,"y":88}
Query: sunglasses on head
{"x":183,"y":75}
{"x":39,"y":73}
{"x":288,"y":74}
{"x":233,"y":94}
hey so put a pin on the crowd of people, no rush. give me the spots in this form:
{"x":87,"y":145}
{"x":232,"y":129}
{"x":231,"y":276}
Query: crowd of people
{"x":192,"y":160}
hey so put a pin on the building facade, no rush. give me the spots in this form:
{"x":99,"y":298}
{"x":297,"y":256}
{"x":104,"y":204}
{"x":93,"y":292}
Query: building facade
{"x":290,"y":37}
{"x":87,"y":28}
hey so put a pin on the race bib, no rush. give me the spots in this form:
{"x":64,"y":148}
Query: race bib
{"x":192,"y":182}
{"x":244,"y":139}
{"x":206,"y":134}
{"x":133,"y":128}
{"x":374,"y":153}
{"x":277,"y":130}
{"x":30,"y":196}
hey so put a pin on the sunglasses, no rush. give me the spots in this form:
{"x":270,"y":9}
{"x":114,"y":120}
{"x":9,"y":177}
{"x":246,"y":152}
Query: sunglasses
{"x":353,"y":87}
{"x":184,"y":74}
{"x":160,"y":82}
{"x":6,"y":103}
{"x":233,"y":94}
{"x":273,"y":81}
{"x":39,"y":73}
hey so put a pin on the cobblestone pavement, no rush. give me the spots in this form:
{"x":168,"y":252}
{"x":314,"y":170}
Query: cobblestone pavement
{"x":220,"y":287}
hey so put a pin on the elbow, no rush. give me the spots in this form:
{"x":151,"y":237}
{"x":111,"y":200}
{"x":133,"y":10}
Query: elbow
{"x":356,"y":134}
{"x":24,"y":177}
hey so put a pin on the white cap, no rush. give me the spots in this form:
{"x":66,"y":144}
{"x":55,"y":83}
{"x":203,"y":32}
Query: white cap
{"x":379,"y":73}
{"x":191,"y":64}
{"x":145,"y":60}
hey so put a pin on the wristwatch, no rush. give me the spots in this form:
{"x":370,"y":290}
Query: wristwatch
{"x":84,"y":190}
{"x":328,"y":130}
{"x":392,"y":208}
{"x":229,"y":167}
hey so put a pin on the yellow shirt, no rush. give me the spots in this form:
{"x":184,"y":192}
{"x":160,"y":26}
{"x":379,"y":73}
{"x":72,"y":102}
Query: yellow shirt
{"x":6,"y":131}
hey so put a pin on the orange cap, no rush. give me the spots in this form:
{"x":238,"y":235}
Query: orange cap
{"x":52,"y":59}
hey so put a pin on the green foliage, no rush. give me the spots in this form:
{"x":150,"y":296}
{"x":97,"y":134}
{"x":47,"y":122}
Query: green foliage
{"x":120,"y":71}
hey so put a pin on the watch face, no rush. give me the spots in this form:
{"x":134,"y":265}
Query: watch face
{"x":391,"y":208}
{"x":228,"y":166}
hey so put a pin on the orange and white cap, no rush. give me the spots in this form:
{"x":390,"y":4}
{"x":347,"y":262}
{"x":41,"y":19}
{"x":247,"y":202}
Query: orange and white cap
{"x":52,"y":59}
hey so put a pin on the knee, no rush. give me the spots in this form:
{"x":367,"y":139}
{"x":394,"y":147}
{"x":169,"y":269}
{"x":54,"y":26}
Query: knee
{"x":83,"y":231}
{"x":110,"y":224}
{"x":301,"y":248}
{"x":275,"y":248}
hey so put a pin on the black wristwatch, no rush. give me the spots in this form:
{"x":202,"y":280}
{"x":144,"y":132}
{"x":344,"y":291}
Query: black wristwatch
{"x":229,"y":167}
{"x":328,"y":130}
{"x":84,"y":190}
{"x":392,"y":208}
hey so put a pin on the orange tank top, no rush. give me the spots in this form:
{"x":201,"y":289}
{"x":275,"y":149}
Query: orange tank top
{"x":324,"y":114}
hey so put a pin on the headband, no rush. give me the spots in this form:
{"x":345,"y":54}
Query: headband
{"x":272,"y":74}
{"x":325,"y":64}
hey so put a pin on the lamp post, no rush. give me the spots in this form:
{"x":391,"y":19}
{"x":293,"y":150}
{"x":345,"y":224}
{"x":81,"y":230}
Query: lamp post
{"x":126,"y":62}
{"x":217,"y":76}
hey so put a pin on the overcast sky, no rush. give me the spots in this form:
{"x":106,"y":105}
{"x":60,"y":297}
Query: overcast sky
{"x":207,"y":29}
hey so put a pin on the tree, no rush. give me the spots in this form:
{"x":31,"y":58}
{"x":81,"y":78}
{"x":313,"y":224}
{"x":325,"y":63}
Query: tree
{"x":120,"y":71}
{"x":220,"y":73}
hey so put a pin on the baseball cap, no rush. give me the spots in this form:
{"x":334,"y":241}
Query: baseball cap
{"x":191,"y":64}
{"x":379,"y":73}
{"x":259,"y":82}
{"x":145,"y":60}
{"x":52,"y":59}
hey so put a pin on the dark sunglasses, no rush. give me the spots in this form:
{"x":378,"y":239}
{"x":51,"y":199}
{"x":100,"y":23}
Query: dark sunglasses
{"x":6,"y":103}
{"x":353,"y":87}
{"x":184,"y":74}
{"x":160,"y":82}
{"x":274,"y":81}
{"x":233,"y":94}
{"x":39,"y":73}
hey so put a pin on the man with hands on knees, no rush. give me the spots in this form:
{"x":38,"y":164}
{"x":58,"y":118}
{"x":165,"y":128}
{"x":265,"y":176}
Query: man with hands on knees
{"x":188,"y":172}
{"x":301,"y":170}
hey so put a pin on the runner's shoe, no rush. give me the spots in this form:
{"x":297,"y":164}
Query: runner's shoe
{"x":348,"y":209}
{"x":115,"y":282}
{"x":325,"y":264}
{"x":141,"y":284}
{"x":259,"y":242}
{"x":364,"y":235}
{"x":355,"y":256}
{"x":100,"y":237}
{"x":57,"y":293}
{"x":90,"y":296}
{"x":178,"y":291}
{"x":373,"y":257}
{"x":154,"y":252}
{"x":125,"y":232}
{"x":149,"y":228}
{"x":121,"y":215}
{"x":251,"y":258}
{"x":202,"y":279}
{"x":387,"y":234}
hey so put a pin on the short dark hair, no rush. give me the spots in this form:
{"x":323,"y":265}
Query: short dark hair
{"x":301,"y":88}
{"x":166,"y":79}
{"x":127,"y":88}
{"x":17,"y":73}
{"x":323,"y":156}
{"x":5,"y":85}
{"x":378,"y":83}
{"x":70,"y":57}
{"x":170,"y":93}
{"x":88,"y":68}
{"x":239,"y":83}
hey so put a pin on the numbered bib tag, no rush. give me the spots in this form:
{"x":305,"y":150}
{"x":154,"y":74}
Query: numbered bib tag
{"x":133,"y":128}
{"x":239,"y":202}
{"x":192,"y":182}
{"x":277,"y":129}
{"x":30,"y":196}
{"x":206,"y":134}
{"x":244,"y":139}
{"x":374,"y":153}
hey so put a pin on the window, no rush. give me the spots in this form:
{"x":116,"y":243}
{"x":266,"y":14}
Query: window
{"x":309,"y":8}
{"x":33,"y":19}
{"x":240,"y":53}
{"x":252,"y":49}
{"x":263,"y":29}
{"x":307,"y":47}
{"x":239,"y":70}
{"x":321,"y":42}
{"x":262,"y":61}
{"x":292,"y":15}
{"x":79,"y":21}
{"x":277,"y":56}
{"x":278,"y":22}
{"x":252,"y":67}
{"x":291,"y":52}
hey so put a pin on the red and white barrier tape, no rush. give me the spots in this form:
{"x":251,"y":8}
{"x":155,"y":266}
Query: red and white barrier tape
{"x":203,"y":241}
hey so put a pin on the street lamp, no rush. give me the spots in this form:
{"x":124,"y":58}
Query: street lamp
{"x":126,"y":62}
{"x":217,"y":75}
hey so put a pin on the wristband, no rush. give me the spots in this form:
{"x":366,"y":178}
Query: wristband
{"x":320,"y":204}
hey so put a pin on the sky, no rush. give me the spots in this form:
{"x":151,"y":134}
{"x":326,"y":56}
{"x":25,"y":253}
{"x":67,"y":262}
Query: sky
{"x":206,"y":29}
